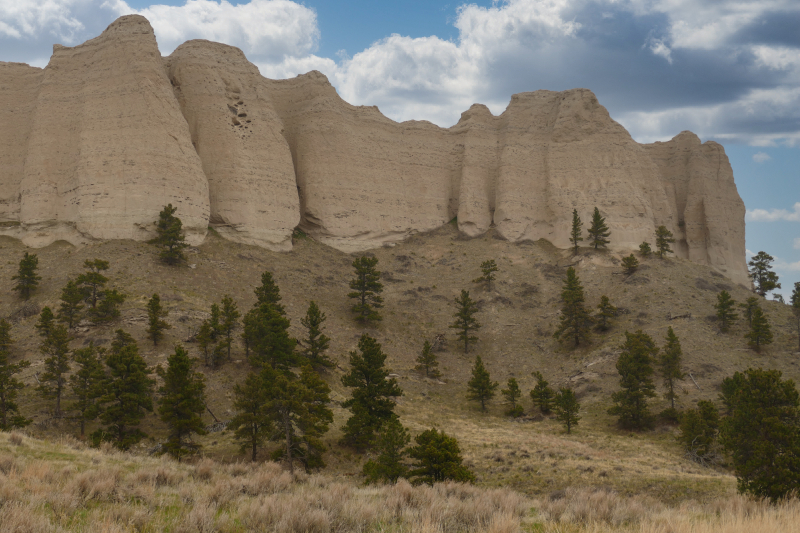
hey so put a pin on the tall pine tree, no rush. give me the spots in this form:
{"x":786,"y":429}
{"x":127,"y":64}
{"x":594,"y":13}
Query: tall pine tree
{"x":576,"y":231}
{"x":761,"y":272}
{"x":181,"y":404}
{"x":87,"y":383}
{"x":229,"y":321}
{"x":605,"y":314}
{"x":427,"y":363}
{"x":725,"y":310}
{"x":669,"y":363}
{"x":268,"y":293}
{"x":635,"y":367}
{"x":155,"y":319}
{"x":53,"y":380}
{"x":748,"y":307}
{"x":663,"y":240}
{"x":542,"y":394}
{"x":598,"y":232}
{"x":366,"y":289}
{"x":390,"y":450}
{"x":465,"y":321}
{"x":512,"y":394}
{"x":760,"y":332}
{"x":92,"y":282}
{"x":567,"y":408}
{"x":575,"y":318}
{"x":315,"y":343}
{"x":252,"y":424}
{"x":26,"y":277}
{"x":69,"y":310}
{"x":169,"y":236}
{"x":10,"y":417}
{"x":481,"y":387}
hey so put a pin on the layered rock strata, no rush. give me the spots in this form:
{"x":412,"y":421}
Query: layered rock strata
{"x":94,"y":145}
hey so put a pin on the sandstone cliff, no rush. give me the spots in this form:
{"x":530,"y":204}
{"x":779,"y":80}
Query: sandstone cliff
{"x":93,"y":146}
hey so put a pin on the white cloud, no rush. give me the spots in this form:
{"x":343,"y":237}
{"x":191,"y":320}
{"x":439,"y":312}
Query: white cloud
{"x":761,"y":157}
{"x":783,"y":265}
{"x":774,"y":215}
{"x":658,"y":47}
{"x":797,"y":243}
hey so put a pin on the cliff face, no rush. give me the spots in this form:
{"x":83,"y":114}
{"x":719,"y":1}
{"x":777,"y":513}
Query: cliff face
{"x":95,"y":144}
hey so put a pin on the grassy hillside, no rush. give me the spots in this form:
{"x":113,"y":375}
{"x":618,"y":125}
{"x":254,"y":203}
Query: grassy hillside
{"x":422,"y":276}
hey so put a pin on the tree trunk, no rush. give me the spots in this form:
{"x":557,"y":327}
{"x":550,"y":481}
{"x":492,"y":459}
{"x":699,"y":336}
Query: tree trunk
{"x":287,"y":424}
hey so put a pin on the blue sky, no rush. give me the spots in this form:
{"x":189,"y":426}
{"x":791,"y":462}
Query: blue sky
{"x":729,"y":70}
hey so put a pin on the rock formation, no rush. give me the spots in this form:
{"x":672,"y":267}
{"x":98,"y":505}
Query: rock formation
{"x":95,"y":144}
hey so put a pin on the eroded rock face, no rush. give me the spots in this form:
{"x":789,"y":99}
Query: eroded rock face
{"x":95,"y":144}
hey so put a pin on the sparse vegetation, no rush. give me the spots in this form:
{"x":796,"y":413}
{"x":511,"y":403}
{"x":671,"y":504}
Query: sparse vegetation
{"x":488,"y":268}
{"x":427,"y":362}
{"x":645,"y":250}
{"x":630,"y":264}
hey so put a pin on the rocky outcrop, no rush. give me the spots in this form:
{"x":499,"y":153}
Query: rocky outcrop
{"x":94,"y":145}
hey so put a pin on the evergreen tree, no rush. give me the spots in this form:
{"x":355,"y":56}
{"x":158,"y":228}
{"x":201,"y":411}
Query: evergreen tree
{"x":598,"y":232}
{"x":44,"y":326}
{"x":316,"y":342}
{"x":605,"y":314}
{"x":795,"y":302}
{"x":169,"y":236}
{"x":391,"y":449}
{"x":229,"y":321}
{"x":127,"y":395}
{"x":669,"y":363}
{"x":630,"y":264}
{"x":761,"y":433}
{"x":87,"y":383}
{"x":761,"y":272}
{"x":465,"y":321}
{"x":635,"y":369}
{"x":252,"y":424}
{"x":488,"y":268}
{"x":182,"y":403}
{"x":270,"y":340}
{"x":205,"y":340}
{"x":26,"y":278}
{"x":53,"y":380}
{"x":512,"y":395}
{"x":69,"y":311}
{"x":156,"y":324}
{"x":725,"y":311}
{"x":542,"y":394}
{"x":427,"y":362}
{"x":121,"y":340}
{"x":481,"y":387}
{"x":575,"y":232}
{"x":219,"y":353}
{"x":750,"y":305}
{"x":92,"y":281}
{"x":567,"y":407}
{"x":760,"y":332}
{"x":663,"y":240}
{"x":366,"y":287}
{"x":644,"y":249}
{"x":268,"y":293}
{"x":575,"y":318}
{"x":300,"y":415}
{"x":107,"y":309}
{"x":372,"y":401}
{"x":699,"y":431}
{"x":438,"y":458}
{"x":10,"y":416}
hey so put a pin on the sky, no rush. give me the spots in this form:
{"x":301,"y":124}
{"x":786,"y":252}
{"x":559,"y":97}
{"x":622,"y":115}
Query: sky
{"x":728,"y":70}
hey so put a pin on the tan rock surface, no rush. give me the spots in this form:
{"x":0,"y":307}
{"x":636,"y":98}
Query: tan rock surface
{"x":95,"y":144}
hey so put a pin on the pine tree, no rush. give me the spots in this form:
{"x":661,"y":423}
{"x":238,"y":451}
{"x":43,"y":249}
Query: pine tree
{"x":748,"y":307}
{"x":630,"y":264}
{"x":795,"y":302}
{"x":488,"y":268}
{"x":542,"y":394}
{"x":427,"y":362}
{"x":663,"y":240}
{"x":87,"y":383}
{"x":121,"y":340}
{"x":156,"y":324}
{"x":481,"y":387}
{"x":268,"y":293}
{"x":512,"y":395}
{"x":699,"y":431}
{"x":575,"y":232}
{"x":182,"y":403}
{"x":300,"y":415}
{"x":390,"y":447}
{"x":107,"y":309}
{"x":635,"y":369}
{"x":575,"y":318}
{"x":605,"y":313}
{"x":760,"y":271}
{"x":219,"y":353}
{"x":53,"y":380}
{"x":761,"y":432}
{"x":669,"y":363}
{"x":598,"y":232}
{"x":760,"y":332}
{"x":44,"y":326}
{"x":725,"y":310}
{"x":644,"y":249}
{"x":438,"y":458}
{"x":205,"y":340}
{"x":27,"y":279}
{"x":366,"y":287}
{"x":371,"y":401}
{"x":169,"y":236}
{"x":316,"y":342}
{"x":230,"y":316}
{"x":270,"y":340}
{"x":69,"y":311}
{"x":252,"y":424}
{"x":10,"y":416}
{"x":92,"y":281}
{"x":465,"y":321}
{"x":567,"y":408}
{"x":127,"y":396}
